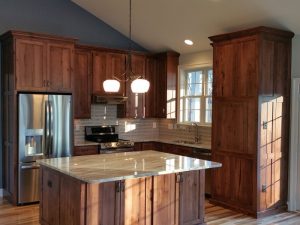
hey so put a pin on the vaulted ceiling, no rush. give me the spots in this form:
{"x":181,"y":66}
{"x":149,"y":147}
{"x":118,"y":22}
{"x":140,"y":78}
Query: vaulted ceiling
{"x":159,"y":25}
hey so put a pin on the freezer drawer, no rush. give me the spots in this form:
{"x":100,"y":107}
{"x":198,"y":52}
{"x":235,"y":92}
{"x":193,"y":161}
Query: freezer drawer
{"x":28,"y":183}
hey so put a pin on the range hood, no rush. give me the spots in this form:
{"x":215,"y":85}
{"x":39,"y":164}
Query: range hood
{"x":111,"y":100}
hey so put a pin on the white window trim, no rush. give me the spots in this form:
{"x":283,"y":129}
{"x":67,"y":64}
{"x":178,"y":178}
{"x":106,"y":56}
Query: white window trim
{"x":181,"y":72}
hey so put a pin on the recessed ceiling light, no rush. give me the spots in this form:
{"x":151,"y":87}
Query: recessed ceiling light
{"x":188,"y":42}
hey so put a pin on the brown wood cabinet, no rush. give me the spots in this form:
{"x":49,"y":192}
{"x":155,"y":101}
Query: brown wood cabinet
{"x":151,"y":95}
{"x":82,"y":83}
{"x":106,"y":65}
{"x":166,"y":84}
{"x":150,"y":145}
{"x":251,"y":119}
{"x":134,"y":107}
{"x":42,"y":62}
{"x":31,"y":64}
{"x":60,"y":67}
{"x":176,"y":199}
{"x":86,"y":150}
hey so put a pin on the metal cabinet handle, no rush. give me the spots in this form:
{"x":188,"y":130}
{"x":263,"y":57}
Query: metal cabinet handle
{"x":179,"y":178}
{"x":118,"y":186}
{"x":30,"y":167}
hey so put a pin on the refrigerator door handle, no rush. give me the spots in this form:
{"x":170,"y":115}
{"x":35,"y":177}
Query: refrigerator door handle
{"x":47,"y":131}
{"x":50,"y":128}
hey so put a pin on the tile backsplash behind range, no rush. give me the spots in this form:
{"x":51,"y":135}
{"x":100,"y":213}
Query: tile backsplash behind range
{"x":139,"y":129}
{"x":131,"y":129}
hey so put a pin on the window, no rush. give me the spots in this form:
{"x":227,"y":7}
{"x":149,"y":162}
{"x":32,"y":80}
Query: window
{"x":195,"y":100}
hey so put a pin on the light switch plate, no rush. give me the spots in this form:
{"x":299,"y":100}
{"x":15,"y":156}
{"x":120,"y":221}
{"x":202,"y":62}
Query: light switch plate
{"x":154,"y":125}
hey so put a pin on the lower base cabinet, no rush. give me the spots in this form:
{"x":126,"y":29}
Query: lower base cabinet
{"x":173,"y":199}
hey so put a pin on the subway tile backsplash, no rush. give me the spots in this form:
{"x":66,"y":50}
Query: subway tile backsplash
{"x":139,"y":129}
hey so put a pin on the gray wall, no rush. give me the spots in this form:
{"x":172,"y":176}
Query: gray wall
{"x":59,"y":17}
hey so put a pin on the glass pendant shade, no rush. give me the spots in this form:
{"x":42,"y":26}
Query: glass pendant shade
{"x":140,"y":86}
{"x":111,"y":85}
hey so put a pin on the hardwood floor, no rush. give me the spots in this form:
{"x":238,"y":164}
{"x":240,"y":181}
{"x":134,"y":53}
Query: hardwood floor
{"x":215,"y":215}
{"x":21,"y":215}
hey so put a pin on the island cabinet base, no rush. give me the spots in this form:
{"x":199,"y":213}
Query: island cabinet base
{"x":173,"y":199}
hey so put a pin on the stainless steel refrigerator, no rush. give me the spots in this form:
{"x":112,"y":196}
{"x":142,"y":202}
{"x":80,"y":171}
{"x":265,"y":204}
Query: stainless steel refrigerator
{"x":45,"y":131}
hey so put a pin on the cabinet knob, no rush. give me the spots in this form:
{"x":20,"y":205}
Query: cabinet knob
{"x":49,"y":183}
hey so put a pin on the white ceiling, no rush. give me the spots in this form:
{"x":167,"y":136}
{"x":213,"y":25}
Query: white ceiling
{"x":159,"y":25}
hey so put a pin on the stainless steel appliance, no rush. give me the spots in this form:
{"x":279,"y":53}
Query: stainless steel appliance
{"x":45,"y":131}
{"x":108,"y":139}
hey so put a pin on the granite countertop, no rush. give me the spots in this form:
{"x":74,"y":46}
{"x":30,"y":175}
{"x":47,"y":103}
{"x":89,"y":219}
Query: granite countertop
{"x":188,"y":144}
{"x":173,"y":142}
{"x":119,"y":166}
{"x":85,"y":143}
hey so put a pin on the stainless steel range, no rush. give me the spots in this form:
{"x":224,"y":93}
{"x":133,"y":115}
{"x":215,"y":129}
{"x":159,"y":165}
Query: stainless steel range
{"x":108,"y":139}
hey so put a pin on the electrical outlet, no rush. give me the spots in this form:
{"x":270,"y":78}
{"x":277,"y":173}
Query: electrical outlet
{"x":154,"y":125}
{"x":264,"y":188}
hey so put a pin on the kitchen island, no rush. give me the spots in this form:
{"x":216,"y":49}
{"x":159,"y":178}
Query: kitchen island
{"x":132,"y":188}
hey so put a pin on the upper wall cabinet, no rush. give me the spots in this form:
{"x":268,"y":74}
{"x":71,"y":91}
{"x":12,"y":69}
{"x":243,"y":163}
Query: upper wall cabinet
{"x":30,"y":64}
{"x":106,"y":65}
{"x":42,"y":62}
{"x":82,"y":83}
{"x":134,"y":107}
{"x":60,"y":66}
{"x":166,"y":84}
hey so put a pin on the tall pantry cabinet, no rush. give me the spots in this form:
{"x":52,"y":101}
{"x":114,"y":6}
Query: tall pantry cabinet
{"x":250,"y":130}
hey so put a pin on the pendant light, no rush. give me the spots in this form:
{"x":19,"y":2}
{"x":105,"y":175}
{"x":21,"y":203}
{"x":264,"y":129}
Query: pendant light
{"x":138,"y":83}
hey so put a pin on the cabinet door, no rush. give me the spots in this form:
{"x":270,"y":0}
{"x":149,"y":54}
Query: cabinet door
{"x":99,"y":195}
{"x":86,"y":150}
{"x":150,"y":96}
{"x":224,"y":69}
{"x":135,"y":102}
{"x":234,"y":128}
{"x":60,"y":67}
{"x":133,"y":202}
{"x":164,"y":200}
{"x":99,"y":72}
{"x":172,"y":71}
{"x":235,"y":68}
{"x":191,"y":197}
{"x":105,"y":66}
{"x":82,"y":84}
{"x":49,"y":197}
{"x":30,"y":65}
{"x":161,"y":87}
{"x":116,"y":67}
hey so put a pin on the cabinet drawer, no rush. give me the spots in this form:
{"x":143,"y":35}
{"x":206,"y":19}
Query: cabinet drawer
{"x":86,"y":150}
